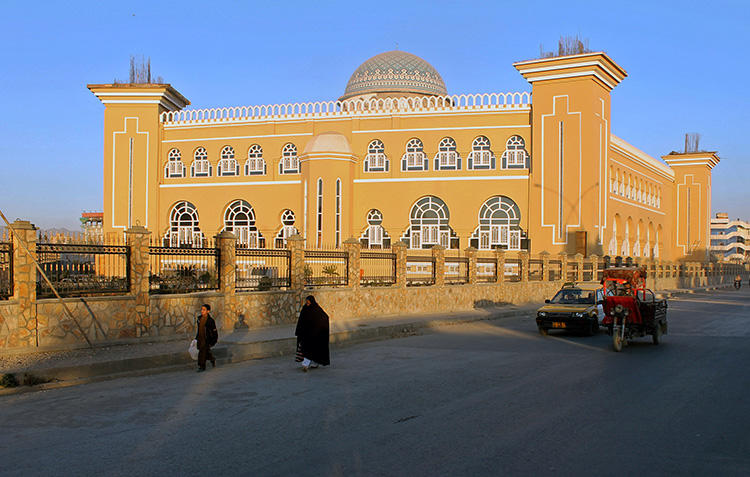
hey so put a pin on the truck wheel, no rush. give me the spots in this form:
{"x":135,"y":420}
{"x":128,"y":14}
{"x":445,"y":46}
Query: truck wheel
{"x":656,"y":336}
{"x":543,"y":331}
{"x":617,"y":341}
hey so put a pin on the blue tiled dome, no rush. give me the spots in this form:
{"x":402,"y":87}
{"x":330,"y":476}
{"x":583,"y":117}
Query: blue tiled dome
{"x":395,"y":72}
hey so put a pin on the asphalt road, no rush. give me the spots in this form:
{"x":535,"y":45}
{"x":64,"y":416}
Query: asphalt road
{"x":492,"y":398}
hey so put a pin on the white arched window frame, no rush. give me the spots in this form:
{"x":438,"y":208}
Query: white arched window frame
{"x":656,"y":244}
{"x":647,"y":245}
{"x":625,"y":250}
{"x":287,"y":228}
{"x":376,"y":160}
{"x":175,"y":167}
{"x":239,"y":218}
{"x":499,"y":219}
{"x":319,"y":214}
{"x":374,"y":233}
{"x":447,"y":158}
{"x":200,"y":167}
{"x":612,"y":249}
{"x":339,"y":193}
{"x":414,"y":158}
{"x":255,"y":164}
{"x":227,"y":163}
{"x":428,"y":223}
{"x":289,"y":163}
{"x":184,"y":229}
{"x":515,"y":155}
{"x":637,"y":244}
{"x":481,"y":156}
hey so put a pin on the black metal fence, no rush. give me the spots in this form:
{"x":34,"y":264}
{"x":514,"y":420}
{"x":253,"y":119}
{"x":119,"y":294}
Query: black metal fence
{"x":6,"y":270}
{"x":486,"y":270}
{"x":262,"y":269}
{"x":326,"y":268}
{"x":555,"y":270}
{"x":536,"y":269}
{"x":420,"y":271}
{"x":83,"y":269}
{"x":183,"y":270}
{"x":377,"y":268}
{"x":512,"y":270}
{"x":456,"y":270}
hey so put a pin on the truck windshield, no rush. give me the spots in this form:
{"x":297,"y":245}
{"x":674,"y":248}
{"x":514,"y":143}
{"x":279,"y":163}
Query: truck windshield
{"x":574,"y":296}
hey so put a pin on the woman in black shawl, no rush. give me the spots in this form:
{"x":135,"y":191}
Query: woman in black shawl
{"x":312,"y":335}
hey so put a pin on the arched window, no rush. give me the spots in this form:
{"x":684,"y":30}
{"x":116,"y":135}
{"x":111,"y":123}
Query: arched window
{"x":239,"y":218}
{"x":515,"y":155}
{"x":625,"y":250}
{"x":481,"y":156}
{"x":612,"y":249}
{"x":414,"y":159}
{"x":255,"y":165}
{"x":289,"y":163}
{"x":376,"y":160}
{"x":338,"y":213}
{"x":319,"y":214}
{"x":200,"y":167}
{"x":228,"y":164}
{"x":174,"y":167}
{"x":447,"y":157}
{"x":183,"y":226}
{"x":428,"y":221}
{"x":375,"y":235}
{"x":499,"y":219}
{"x":287,"y":228}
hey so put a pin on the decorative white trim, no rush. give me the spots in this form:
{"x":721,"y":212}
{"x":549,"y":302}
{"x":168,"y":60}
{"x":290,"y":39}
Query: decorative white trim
{"x":371,"y":131}
{"x":639,"y":156}
{"x":657,"y":180}
{"x":212,"y":184}
{"x":114,"y":134}
{"x":703,"y":163}
{"x":618,"y":199}
{"x":428,"y":179}
{"x":574,"y":74}
{"x":226,"y":138}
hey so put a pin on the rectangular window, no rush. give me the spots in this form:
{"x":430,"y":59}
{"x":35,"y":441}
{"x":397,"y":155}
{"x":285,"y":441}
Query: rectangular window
{"x":415,"y":240}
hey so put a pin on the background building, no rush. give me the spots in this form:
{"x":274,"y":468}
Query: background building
{"x":730,"y":239}
{"x":397,"y":158}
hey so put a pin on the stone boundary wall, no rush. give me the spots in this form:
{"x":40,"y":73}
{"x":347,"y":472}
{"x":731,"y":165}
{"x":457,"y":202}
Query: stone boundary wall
{"x":28,"y":323}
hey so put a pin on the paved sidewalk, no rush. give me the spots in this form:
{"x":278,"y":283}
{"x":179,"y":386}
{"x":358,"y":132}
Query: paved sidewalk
{"x":66,"y":368}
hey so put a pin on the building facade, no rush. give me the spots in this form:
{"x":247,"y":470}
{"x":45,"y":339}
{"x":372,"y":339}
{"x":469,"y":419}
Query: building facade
{"x":398,"y":158}
{"x":730,"y":239}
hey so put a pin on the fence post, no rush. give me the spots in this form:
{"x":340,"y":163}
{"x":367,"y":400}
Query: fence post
{"x":471,"y":254}
{"x":524,"y":256}
{"x":579,"y":261}
{"x":23,"y":334}
{"x":500,"y":266}
{"x":438,"y":253}
{"x":137,"y":238}
{"x":563,"y":266}
{"x":353,"y":249}
{"x":399,"y":248}
{"x":594,"y":267}
{"x":226,"y":242}
{"x":296,"y":246}
{"x":544,"y":255}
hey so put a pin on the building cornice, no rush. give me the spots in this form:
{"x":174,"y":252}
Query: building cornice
{"x":628,"y":150}
{"x":596,"y":65}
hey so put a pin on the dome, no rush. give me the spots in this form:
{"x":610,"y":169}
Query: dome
{"x":395,"y":72}
{"x":328,"y":142}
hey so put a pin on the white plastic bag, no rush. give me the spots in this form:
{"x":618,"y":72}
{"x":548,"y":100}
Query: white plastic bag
{"x":193,"y":349}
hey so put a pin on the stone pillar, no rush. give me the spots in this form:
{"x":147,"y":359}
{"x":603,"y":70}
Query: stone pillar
{"x":137,"y":238}
{"x":524,"y":256}
{"x":471,"y":254}
{"x":594,"y":267}
{"x":353,"y":248}
{"x":296,"y":246}
{"x":226,"y":242}
{"x":399,"y":248}
{"x":24,"y":333}
{"x":544,"y":255}
{"x":563,"y":266}
{"x":579,"y":261}
{"x":500,"y":267}
{"x":438,"y":253}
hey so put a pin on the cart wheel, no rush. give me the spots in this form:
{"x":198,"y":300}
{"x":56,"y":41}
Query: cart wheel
{"x":656,"y":336}
{"x":543,"y":331}
{"x":617,"y":341}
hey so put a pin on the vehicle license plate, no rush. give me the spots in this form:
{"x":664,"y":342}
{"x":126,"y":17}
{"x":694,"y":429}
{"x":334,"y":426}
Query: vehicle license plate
{"x":558,"y":324}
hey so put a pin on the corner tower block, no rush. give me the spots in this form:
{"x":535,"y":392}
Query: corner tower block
{"x":570,"y":140}
{"x":131,"y":150}
{"x":692,"y":199}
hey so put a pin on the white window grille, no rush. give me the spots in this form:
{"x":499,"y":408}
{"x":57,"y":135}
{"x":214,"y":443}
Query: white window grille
{"x":239,"y":218}
{"x":514,"y":242}
{"x":375,"y":235}
{"x":515,"y":154}
{"x":447,"y":157}
{"x":227,"y":162}
{"x":338,"y":213}
{"x":289,"y":159}
{"x":499,"y":218}
{"x":481,"y":156}
{"x":255,"y":163}
{"x":183,"y":226}
{"x":287,"y":228}
{"x":414,"y":157}
{"x":376,"y":160}
{"x":319,"y":215}
{"x":430,"y":234}
{"x":175,"y":166}
{"x":429,"y":219}
{"x":200,"y":167}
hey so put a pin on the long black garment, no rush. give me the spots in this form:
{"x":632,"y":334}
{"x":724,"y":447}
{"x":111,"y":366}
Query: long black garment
{"x":312,"y":333}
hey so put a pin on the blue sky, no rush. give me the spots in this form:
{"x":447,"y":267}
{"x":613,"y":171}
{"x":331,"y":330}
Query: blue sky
{"x":687,"y":66}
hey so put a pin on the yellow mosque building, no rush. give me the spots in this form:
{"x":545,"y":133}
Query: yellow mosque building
{"x":397,"y":157}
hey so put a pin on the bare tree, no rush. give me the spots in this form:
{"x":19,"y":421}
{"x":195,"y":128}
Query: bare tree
{"x":691,"y":142}
{"x":567,"y":45}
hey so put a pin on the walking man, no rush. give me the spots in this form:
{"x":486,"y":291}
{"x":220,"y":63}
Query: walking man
{"x":206,"y":336}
